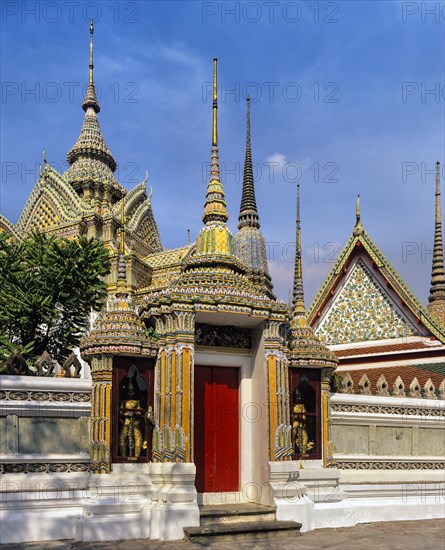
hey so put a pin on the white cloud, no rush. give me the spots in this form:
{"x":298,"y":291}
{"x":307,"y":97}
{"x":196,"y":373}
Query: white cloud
{"x":277,"y":159}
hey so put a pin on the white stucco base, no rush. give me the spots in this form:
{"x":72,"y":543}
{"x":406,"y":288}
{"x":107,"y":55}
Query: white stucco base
{"x":317,"y":499}
{"x":148,"y":501}
{"x":156,"y":501}
{"x":35,"y":507}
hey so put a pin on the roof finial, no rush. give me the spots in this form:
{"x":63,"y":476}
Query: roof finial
{"x":44,"y":155}
{"x":188,"y":236}
{"x":358,"y":229}
{"x":248,"y":215}
{"x":215,"y":104}
{"x":91,"y":50}
{"x":436,"y":298}
{"x":298,"y":294}
{"x":90,"y":97}
{"x":215,"y":206}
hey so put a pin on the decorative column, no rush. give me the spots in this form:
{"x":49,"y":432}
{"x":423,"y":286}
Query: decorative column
{"x":173,"y":437}
{"x":100,"y":450}
{"x":326,"y":377}
{"x":278,"y":421}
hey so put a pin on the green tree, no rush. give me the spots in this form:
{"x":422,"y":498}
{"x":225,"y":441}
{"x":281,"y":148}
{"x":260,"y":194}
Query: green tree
{"x":48,"y":286}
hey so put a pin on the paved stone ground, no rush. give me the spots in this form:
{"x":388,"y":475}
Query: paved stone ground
{"x":397,"y":535}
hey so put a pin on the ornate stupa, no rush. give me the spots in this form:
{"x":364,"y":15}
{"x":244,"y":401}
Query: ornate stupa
{"x":436,"y":299}
{"x":92,"y":165}
{"x":118,"y":328}
{"x":250,"y":246}
{"x":215,"y":238}
{"x":306,"y":349}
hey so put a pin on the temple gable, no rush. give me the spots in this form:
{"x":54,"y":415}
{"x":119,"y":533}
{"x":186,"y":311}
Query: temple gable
{"x":363,"y":310}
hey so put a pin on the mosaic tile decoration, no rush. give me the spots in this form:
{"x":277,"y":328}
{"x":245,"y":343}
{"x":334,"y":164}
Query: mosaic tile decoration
{"x":362,"y":311}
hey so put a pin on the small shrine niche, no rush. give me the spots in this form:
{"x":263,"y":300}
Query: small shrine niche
{"x":133,"y":418}
{"x":305,"y":408}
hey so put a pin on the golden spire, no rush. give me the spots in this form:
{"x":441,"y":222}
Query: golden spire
{"x":215,"y":206}
{"x":215,"y":238}
{"x":298,"y":294}
{"x":436,"y":298}
{"x":215,"y":105}
{"x":358,"y":229}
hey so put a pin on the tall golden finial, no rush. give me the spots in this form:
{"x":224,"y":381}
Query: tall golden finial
{"x":215,"y":105}
{"x":215,"y":206}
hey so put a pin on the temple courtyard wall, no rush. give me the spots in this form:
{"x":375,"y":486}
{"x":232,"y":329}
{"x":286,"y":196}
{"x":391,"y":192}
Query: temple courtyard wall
{"x":388,"y":465}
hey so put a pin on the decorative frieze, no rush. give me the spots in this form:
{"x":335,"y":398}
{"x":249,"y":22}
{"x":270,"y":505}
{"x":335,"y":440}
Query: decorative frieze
{"x":223,"y":336}
{"x":44,"y":467}
{"x":59,"y":397}
{"x":387,"y":409}
{"x":388,"y":465}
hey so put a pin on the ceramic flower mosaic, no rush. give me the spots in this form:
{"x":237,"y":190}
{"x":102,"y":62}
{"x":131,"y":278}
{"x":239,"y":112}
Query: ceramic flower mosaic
{"x":362,"y":311}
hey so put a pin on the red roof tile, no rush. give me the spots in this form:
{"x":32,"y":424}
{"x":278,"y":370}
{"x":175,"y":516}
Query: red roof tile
{"x":383,"y":349}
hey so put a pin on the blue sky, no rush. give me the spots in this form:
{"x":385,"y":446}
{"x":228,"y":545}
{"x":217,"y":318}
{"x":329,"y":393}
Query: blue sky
{"x":347,"y":98}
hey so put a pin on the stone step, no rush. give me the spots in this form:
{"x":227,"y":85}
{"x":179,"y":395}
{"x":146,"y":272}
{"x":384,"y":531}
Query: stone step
{"x":235,"y":513}
{"x":221,"y":532}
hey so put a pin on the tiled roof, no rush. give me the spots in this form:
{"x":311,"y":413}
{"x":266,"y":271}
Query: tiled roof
{"x":376,"y":350}
{"x":354,"y":243}
{"x":167,"y":258}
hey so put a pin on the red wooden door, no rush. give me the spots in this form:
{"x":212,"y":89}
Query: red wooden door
{"x":216,"y":406}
